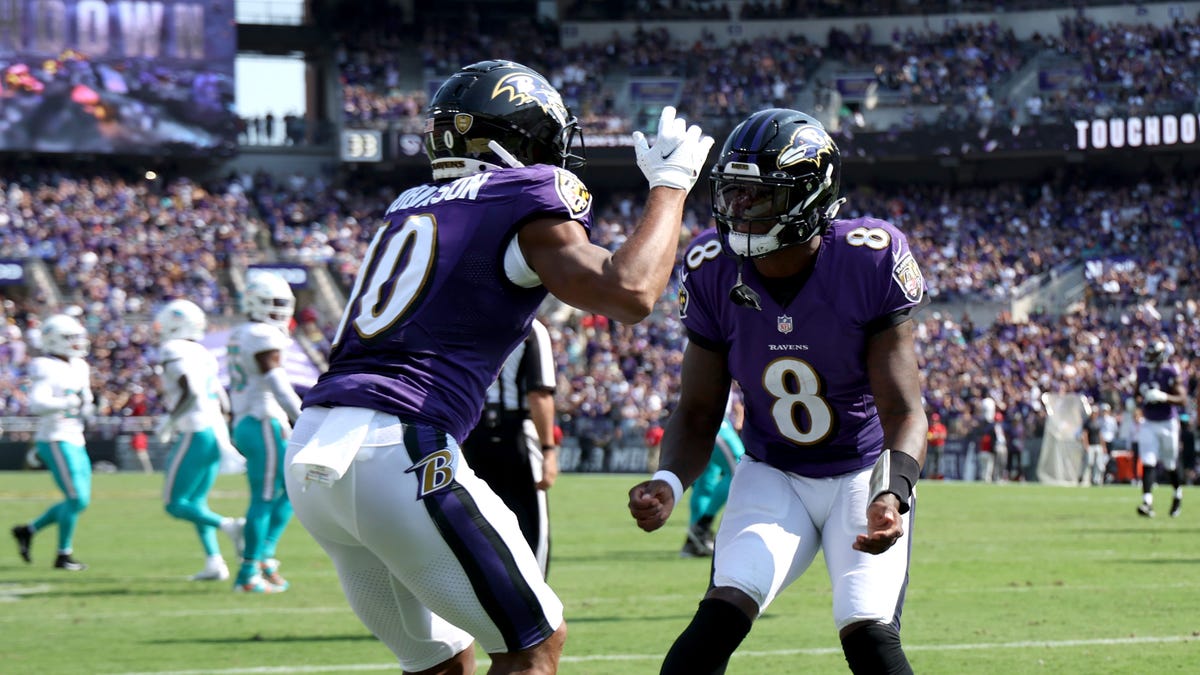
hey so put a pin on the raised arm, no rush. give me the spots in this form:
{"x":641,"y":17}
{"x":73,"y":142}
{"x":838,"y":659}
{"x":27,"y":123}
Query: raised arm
{"x":626,"y":283}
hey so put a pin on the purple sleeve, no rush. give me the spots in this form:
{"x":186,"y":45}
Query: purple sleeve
{"x":550,"y":191}
{"x":904,"y":285}
{"x":696,"y":310}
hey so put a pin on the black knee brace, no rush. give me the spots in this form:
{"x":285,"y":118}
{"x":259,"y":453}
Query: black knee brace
{"x":875,"y":649}
{"x":709,"y":640}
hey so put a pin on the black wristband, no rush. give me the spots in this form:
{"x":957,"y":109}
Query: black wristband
{"x":897,"y":473}
{"x":549,"y":446}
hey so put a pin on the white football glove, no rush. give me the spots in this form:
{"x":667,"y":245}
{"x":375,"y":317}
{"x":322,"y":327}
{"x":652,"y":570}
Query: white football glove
{"x":163,"y":430}
{"x":1156,"y":396}
{"x":678,"y":154}
{"x":72,"y":403}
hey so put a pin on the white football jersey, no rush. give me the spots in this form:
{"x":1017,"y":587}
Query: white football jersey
{"x":185,"y":358}
{"x":51,"y":377}
{"x":250,"y":395}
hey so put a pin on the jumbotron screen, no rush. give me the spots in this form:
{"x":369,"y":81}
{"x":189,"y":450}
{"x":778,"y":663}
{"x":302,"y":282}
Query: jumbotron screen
{"x":141,"y":77}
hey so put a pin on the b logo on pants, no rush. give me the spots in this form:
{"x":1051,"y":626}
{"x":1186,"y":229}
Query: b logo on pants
{"x":434,"y":472}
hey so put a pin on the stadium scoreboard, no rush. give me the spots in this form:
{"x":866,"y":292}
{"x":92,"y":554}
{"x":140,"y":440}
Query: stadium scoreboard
{"x":362,"y":145}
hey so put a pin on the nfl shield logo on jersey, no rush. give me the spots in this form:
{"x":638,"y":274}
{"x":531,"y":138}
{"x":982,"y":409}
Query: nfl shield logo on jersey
{"x":784,"y":324}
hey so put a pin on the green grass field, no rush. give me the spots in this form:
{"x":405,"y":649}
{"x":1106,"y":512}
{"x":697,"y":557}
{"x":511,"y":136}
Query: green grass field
{"x":1005,"y":579}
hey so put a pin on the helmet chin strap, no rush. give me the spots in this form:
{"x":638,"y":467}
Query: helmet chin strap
{"x":741,"y":294}
{"x":504,"y":155}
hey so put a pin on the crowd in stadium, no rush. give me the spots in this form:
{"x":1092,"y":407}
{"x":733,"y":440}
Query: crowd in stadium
{"x":1126,"y":67}
{"x":786,"y":9}
{"x":618,"y":379}
{"x":103,"y":236}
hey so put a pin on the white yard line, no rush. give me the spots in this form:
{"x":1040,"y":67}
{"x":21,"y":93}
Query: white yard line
{"x":738,"y":656}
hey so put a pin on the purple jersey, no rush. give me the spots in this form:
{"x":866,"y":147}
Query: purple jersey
{"x":1164,"y":377}
{"x":433,"y":314}
{"x":801,"y":366}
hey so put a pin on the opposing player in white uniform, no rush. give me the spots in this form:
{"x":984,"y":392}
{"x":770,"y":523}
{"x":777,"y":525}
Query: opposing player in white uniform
{"x":61,"y":396}
{"x":264,"y":407}
{"x":196,"y":405}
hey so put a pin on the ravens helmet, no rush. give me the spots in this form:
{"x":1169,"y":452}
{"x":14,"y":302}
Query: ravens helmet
{"x":1156,"y":353}
{"x":499,"y":101}
{"x":775,"y":183}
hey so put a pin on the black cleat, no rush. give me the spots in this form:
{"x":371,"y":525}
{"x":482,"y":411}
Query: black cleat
{"x":1176,"y":506}
{"x":24,"y":538}
{"x":64,"y":561}
{"x":1146,"y":510}
{"x":696,"y":545}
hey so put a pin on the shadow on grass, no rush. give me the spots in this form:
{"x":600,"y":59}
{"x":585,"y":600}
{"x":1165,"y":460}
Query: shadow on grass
{"x":643,"y":617}
{"x":77,"y":592}
{"x":259,"y":637}
{"x":649,"y":555}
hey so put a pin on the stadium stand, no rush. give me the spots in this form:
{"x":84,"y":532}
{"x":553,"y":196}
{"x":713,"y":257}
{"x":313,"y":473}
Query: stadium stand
{"x":1043,"y":272}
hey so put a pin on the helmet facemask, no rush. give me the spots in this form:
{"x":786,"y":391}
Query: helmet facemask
{"x":269,"y":299}
{"x":1156,"y":353}
{"x":757,"y":216}
{"x":64,"y":336}
{"x":775,"y":184}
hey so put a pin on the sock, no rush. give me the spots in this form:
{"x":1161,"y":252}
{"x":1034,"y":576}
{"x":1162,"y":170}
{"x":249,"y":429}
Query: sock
{"x":1148,"y":485}
{"x":214,"y":560}
{"x":709,"y":640}
{"x":705,"y":522}
{"x":1178,"y":492}
{"x":247,"y":571}
{"x":875,"y":649}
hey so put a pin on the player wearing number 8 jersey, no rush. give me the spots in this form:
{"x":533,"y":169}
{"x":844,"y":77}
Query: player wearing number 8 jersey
{"x":811,"y":316}
{"x":428,"y":556}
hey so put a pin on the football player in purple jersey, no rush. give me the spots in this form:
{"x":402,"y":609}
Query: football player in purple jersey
{"x":1161,"y":390}
{"x":430,"y":559}
{"x":810,"y":315}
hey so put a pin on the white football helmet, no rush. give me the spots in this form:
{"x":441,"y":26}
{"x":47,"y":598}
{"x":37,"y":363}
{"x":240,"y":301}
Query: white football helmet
{"x":269,"y":299}
{"x":181,"y":319}
{"x":63,"y":335}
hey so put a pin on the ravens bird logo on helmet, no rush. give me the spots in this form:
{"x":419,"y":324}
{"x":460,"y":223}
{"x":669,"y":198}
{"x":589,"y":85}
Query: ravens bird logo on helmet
{"x":498,"y":103}
{"x":524,"y":88}
{"x":807,"y":144}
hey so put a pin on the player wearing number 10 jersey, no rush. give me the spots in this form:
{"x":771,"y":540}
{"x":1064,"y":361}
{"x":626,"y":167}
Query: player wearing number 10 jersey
{"x":811,"y":316}
{"x":428,"y":556}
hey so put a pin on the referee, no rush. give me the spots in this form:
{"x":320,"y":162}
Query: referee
{"x":512,"y":448}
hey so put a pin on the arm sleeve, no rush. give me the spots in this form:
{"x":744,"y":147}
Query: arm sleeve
{"x":284,"y":393}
